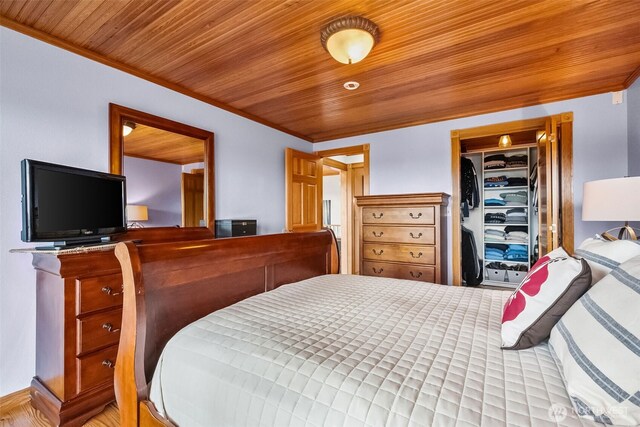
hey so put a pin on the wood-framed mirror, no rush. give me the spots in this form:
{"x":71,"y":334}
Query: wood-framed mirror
{"x":169,"y":168}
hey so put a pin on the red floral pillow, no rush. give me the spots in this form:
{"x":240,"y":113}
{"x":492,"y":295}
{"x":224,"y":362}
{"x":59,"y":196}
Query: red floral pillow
{"x":553,"y":284}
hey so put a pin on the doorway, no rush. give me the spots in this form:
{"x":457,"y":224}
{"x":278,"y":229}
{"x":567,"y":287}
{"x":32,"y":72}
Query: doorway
{"x":512,"y":202}
{"x":348,"y":170}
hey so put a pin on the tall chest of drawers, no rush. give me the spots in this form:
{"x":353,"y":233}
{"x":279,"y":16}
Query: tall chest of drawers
{"x":404,"y":236}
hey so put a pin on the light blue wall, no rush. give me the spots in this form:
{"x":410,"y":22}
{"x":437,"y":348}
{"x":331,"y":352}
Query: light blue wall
{"x":418,"y":158}
{"x":156,"y":185}
{"x":54,"y":106}
{"x":633,"y":119}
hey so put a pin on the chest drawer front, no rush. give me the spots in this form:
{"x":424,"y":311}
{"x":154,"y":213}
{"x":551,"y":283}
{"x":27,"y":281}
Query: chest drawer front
{"x":98,"y":330}
{"x":96,"y":368}
{"x":97,"y":293}
{"x":399,"y":234}
{"x":399,"y":271}
{"x":413,"y":254}
{"x":422,"y":215}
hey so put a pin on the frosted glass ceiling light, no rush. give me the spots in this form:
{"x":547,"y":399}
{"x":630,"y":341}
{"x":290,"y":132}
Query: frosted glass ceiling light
{"x":349,"y":40}
{"x":127,"y":128}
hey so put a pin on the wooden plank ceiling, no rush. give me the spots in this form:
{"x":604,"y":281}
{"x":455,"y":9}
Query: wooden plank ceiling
{"x":156,"y":144}
{"x":436,"y":60}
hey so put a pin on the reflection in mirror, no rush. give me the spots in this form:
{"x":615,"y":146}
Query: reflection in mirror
{"x":169,"y":168}
{"x":165,"y":173}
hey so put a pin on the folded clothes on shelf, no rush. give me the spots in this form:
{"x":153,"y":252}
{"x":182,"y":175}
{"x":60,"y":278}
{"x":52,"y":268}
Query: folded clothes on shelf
{"x":515,"y":197}
{"x":496,"y":181}
{"x":494,"y":234}
{"x":494,"y":201}
{"x":517,"y":253}
{"x":516,"y":181}
{"x":516,"y":216}
{"x":517,"y":161}
{"x":502,"y":266}
{"x":495,"y":251}
{"x":495,"y":161}
{"x":511,"y":228}
{"x":495,"y":217}
{"x":517,"y":236}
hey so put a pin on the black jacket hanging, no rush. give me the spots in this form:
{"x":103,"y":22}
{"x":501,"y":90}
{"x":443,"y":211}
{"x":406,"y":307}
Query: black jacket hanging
{"x":469,"y":183}
{"x":471,"y":263}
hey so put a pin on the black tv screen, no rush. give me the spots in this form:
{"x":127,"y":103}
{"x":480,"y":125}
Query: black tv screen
{"x":65,"y":204}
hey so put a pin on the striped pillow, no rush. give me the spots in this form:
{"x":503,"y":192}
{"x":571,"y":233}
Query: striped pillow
{"x":597,"y":345}
{"x":603,"y":255}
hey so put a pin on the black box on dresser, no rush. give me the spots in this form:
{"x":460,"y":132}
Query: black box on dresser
{"x":236,"y":227}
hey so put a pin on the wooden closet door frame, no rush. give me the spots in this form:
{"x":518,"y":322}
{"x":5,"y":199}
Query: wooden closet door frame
{"x":565,"y":123}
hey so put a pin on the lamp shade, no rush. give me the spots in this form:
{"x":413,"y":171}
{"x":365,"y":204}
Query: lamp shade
{"x":137,"y":213}
{"x":611,"y":200}
{"x":350,"y":46}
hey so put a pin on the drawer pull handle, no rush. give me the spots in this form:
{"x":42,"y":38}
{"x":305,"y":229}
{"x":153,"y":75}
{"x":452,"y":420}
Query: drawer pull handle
{"x":415,"y":216}
{"x":109,"y":327}
{"x":377,"y":271}
{"x":414,"y":256}
{"x":415,"y":237}
{"x":378,"y":253}
{"x":377,"y":217}
{"x":107,"y":290}
{"x":108,"y":363}
{"x":378,"y":235}
{"x":416,"y":275}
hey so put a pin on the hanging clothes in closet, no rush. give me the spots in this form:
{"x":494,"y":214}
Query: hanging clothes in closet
{"x":471,"y":264}
{"x":468,"y":186}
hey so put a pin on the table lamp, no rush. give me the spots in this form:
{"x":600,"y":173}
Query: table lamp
{"x":135,"y":214}
{"x":613,"y":200}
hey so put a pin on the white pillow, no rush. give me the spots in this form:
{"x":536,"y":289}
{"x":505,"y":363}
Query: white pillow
{"x":552,"y":285}
{"x":603,"y":255}
{"x":597,"y":345}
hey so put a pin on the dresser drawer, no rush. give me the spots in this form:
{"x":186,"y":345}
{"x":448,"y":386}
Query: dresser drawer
{"x":96,"y":293}
{"x":98,"y":330}
{"x":399,"y":271}
{"x":96,"y":368}
{"x":399,"y":215}
{"x":399,"y":234}
{"x":413,"y":254}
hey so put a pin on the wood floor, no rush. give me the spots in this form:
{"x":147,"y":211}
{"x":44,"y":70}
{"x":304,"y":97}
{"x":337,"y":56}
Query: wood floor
{"x":16,"y":411}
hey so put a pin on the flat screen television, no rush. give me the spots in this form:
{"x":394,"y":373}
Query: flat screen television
{"x":70,"y":206}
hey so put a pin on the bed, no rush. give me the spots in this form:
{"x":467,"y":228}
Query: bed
{"x":322,"y":350}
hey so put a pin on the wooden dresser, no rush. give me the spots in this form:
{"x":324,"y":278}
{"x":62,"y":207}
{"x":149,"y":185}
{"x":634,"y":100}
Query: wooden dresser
{"x":79,"y":311}
{"x":404,"y":236}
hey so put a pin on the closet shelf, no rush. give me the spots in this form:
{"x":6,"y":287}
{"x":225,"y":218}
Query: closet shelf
{"x":520,"y":187}
{"x":519,"y":168}
{"x":506,"y":242}
{"x":504,"y":261}
{"x":506,"y":207}
{"x":500,"y":224}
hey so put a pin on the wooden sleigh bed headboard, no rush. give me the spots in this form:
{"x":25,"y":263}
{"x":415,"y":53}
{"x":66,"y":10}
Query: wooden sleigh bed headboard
{"x":170,"y":285}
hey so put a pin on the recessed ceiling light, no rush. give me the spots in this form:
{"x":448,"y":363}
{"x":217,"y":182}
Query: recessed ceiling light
{"x":351,"y":85}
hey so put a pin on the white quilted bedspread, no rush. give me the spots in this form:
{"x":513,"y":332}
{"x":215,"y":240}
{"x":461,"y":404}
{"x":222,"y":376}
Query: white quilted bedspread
{"x":358,"y":351}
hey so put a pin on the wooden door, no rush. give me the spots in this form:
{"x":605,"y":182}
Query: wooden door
{"x":303,"y":186}
{"x":548,"y":188}
{"x":192,"y":199}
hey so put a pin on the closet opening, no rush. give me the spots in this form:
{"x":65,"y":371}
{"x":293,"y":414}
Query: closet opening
{"x":511,"y":204}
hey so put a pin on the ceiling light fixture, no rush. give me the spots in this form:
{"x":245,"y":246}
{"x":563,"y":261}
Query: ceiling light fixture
{"x":505,"y":141}
{"x":352,"y":85}
{"x":349,"y":40}
{"x":127,"y":128}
